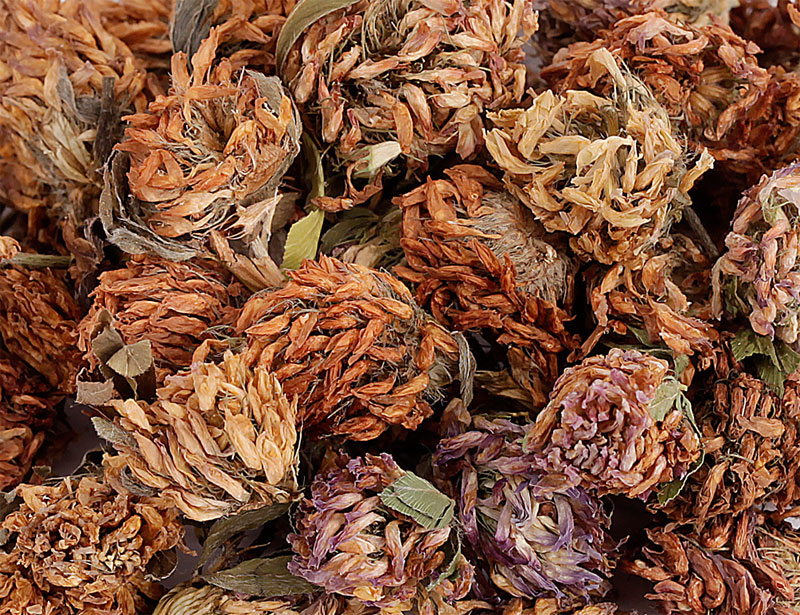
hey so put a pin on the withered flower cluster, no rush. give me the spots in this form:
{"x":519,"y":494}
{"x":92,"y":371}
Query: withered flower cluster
{"x":79,"y":546}
{"x":756,"y":573}
{"x":750,"y":440}
{"x":172,"y":305}
{"x":66,"y":71}
{"x":757,"y":276}
{"x":410,"y":77}
{"x":350,"y":543}
{"x":529,"y":537}
{"x":353,"y":346}
{"x":208,"y":157}
{"x":219,"y":439}
{"x":38,"y":318}
{"x":615,"y":424}
{"x":610,"y":172}
{"x":396,"y":302}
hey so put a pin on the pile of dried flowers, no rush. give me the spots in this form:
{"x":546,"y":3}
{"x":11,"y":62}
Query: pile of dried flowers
{"x":399,"y":307}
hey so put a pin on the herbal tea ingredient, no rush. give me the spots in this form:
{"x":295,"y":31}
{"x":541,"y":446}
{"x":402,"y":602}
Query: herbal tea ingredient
{"x":399,"y":307}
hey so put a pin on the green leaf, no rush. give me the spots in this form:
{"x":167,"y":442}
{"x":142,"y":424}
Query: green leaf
{"x":788,"y":358}
{"x":315,"y":172}
{"x":748,"y":343}
{"x":672,"y":489}
{"x":415,"y":497}
{"x":303,"y":240}
{"x":225,"y":529}
{"x":641,"y":335}
{"x":261,"y":577}
{"x":304,"y":14}
{"x":353,"y":225}
{"x":681,"y":362}
{"x":666,"y":398}
{"x":132,"y":360}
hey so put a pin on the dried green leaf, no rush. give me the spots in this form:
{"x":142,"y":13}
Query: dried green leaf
{"x":303,"y":240}
{"x":106,"y":344}
{"x":415,"y":497}
{"x":191,"y":23}
{"x":94,"y":393}
{"x":315,"y":172}
{"x":110,"y":432}
{"x":666,"y":398}
{"x":748,"y":343}
{"x":353,"y":225}
{"x":225,"y":529}
{"x":261,"y":577}
{"x":673,"y":489}
{"x":132,"y":360}
{"x":304,"y":14}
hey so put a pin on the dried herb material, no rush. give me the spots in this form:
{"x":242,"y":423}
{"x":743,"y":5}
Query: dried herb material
{"x":64,"y":75}
{"x":610,"y":172}
{"x":80,"y":547}
{"x":752,"y":456}
{"x":528,"y":538}
{"x":354,"y":347}
{"x":481,"y":261}
{"x":408,"y":77}
{"x":38,"y":319}
{"x":210,"y":600}
{"x":349,"y":543}
{"x":616,"y":423}
{"x":208,"y":157}
{"x":757,"y":275}
{"x":562,"y":22}
{"x":771,"y":24}
{"x":668,"y":298}
{"x":706,"y":77}
{"x":173,"y":305}
{"x":221,"y":438}
{"x":27,"y":408}
{"x":757,"y":573}
{"x":247,"y":29}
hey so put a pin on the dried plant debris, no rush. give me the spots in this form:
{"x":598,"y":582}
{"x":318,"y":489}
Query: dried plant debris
{"x":208,"y":157}
{"x":666,"y":301}
{"x":609,"y":172}
{"x":247,"y":30}
{"x":354,"y":347}
{"x":707,"y":78}
{"x":220,"y":438}
{"x":773,"y":25}
{"x":80,"y":546}
{"x":617,"y":424}
{"x":756,"y":573}
{"x":175,"y":306}
{"x":528,"y":537}
{"x":38,"y":318}
{"x":28,"y":406}
{"x":386,"y":78}
{"x":367,"y":532}
{"x":750,"y":440}
{"x":756,"y":276}
{"x":65,"y":76}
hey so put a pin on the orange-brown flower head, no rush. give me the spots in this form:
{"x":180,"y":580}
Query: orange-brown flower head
{"x":248,"y":30}
{"x":616,"y":424}
{"x":80,"y":547}
{"x":354,"y":347}
{"x":27,"y":407}
{"x":220,"y":438}
{"x":706,"y":77}
{"x":481,"y":260}
{"x":411,"y":76}
{"x":38,"y":319}
{"x":173,"y":305}
{"x":64,"y":76}
{"x":207,"y":157}
{"x":610,"y":172}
